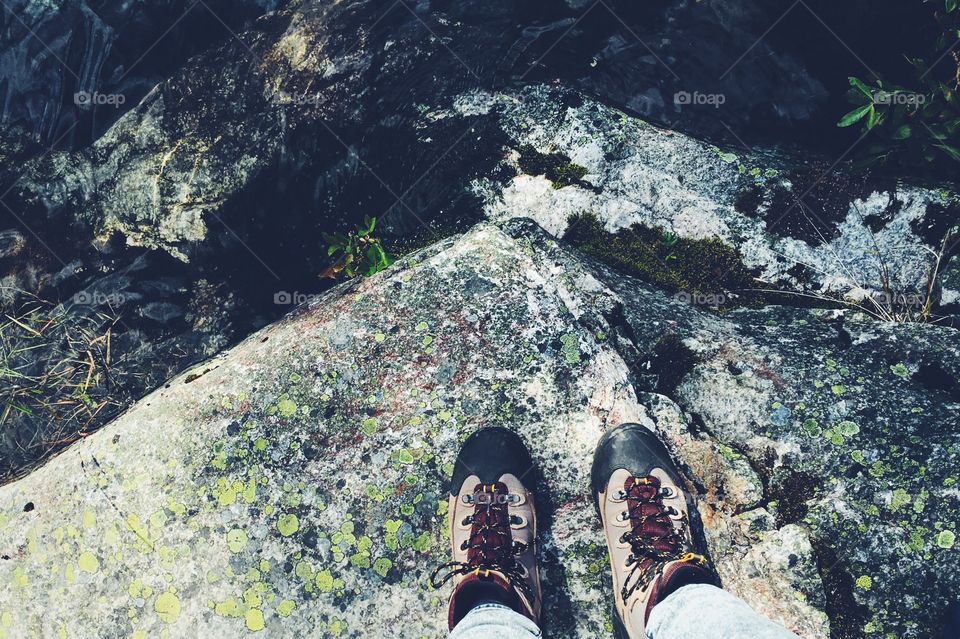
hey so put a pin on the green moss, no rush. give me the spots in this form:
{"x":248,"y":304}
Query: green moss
{"x":847,"y":428}
{"x":382,"y":566}
{"x":286,"y":607}
{"x":557,"y":167}
{"x":812,"y":428}
{"x":287,"y":525}
{"x":286,"y":407}
{"x":369,"y":426}
{"x":236,"y":540}
{"x":900,"y":371}
{"x":167,"y":607}
{"x":88,"y":562}
{"x":324,"y":581}
{"x":946,"y":539}
{"x":899,"y":499}
{"x":571,"y":348}
{"x":700,"y":269}
{"x":254,"y":620}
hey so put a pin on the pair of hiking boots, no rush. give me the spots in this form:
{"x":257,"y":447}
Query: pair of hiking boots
{"x":653,"y":545}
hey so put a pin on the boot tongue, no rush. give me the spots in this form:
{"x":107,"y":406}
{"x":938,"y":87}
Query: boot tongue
{"x":490,"y":534}
{"x":649,"y":517}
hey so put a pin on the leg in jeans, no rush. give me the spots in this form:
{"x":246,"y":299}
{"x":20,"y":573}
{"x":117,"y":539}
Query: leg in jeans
{"x":703,"y":611}
{"x":490,"y":620}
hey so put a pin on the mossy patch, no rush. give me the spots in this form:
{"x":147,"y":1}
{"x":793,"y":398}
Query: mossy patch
{"x":236,"y":540}
{"x":286,"y":607}
{"x":570,"y":348}
{"x":288,"y":525}
{"x":946,"y":539}
{"x":88,"y":562}
{"x":167,"y":607}
{"x":254,"y":620}
{"x":557,"y":167}
{"x":707,"y":270}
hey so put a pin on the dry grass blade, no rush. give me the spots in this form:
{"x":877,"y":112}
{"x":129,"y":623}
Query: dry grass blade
{"x":55,"y":382}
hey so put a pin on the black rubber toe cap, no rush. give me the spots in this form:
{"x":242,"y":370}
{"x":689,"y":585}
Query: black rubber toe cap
{"x":629,"y":446}
{"x":490,"y":453}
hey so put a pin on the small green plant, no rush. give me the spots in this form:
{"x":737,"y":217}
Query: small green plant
{"x":918,"y":125}
{"x":358,"y":252}
{"x":669,"y":241}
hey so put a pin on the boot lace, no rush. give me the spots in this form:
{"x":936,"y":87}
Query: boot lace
{"x":490,"y":547}
{"x":655,"y":538}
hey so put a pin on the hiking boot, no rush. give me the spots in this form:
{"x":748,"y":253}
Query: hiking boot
{"x":653,"y":546}
{"x":493,"y":527}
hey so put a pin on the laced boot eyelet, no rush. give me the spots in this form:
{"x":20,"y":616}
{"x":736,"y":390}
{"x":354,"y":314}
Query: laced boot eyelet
{"x":467,"y":499}
{"x":467,"y":520}
{"x":667,"y":492}
{"x":465,"y":545}
{"x":623,"y":516}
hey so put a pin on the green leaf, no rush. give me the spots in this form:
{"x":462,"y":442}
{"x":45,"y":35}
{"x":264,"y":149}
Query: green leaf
{"x":368,"y":225}
{"x":860,"y":86}
{"x":381,"y":255}
{"x":952,"y":151}
{"x":903,"y":132}
{"x":951,"y":5}
{"x":872,"y":120}
{"x":856,"y":115}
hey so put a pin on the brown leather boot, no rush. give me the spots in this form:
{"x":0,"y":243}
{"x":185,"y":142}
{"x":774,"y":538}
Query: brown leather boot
{"x":654,"y":546}
{"x":493,"y":527}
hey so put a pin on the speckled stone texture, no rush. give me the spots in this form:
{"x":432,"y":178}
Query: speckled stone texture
{"x":293,"y":486}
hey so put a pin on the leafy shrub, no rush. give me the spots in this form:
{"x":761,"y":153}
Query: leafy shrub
{"x":356,"y":253}
{"x":917,"y":125}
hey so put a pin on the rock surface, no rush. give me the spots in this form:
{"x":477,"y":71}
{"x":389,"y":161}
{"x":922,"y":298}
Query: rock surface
{"x":293,"y":485}
{"x":71,"y":67}
{"x":190,"y":208}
